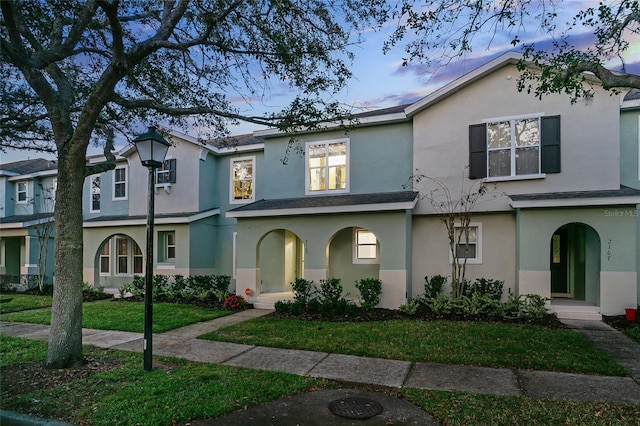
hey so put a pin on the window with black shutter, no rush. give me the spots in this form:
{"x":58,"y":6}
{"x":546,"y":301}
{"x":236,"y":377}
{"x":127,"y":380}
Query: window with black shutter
{"x":167,"y":173}
{"x":514,"y":147}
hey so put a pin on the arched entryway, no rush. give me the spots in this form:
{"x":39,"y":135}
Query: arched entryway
{"x":574,"y":259}
{"x":280,"y":261}
{"x":353,"y":253}
{"x":117,"y":260}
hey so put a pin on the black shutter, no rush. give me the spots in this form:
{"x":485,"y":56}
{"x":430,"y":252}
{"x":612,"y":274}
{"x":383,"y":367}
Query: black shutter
{"x":477,"y":151}
{"x":550,"y":144}
{"x":172,"y":170}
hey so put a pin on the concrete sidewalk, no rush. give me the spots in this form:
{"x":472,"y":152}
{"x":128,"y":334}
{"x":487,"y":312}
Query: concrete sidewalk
{"x":182,"y":343}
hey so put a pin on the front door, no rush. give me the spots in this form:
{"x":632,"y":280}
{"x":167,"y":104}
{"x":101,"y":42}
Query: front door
{"x":559,"y":260}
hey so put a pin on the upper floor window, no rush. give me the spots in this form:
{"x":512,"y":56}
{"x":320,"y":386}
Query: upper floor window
{"x":22,"y":192}
{"x":94,"y":183}
{"x":326,"y":164}
{"x":515,"y":147}
{"x":242,"y":179}
{"x":120,"y":183}
{"x":167,"y":173}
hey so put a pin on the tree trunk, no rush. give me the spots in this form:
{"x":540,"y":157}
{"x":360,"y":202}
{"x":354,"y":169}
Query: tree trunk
{"x":65,"y":339}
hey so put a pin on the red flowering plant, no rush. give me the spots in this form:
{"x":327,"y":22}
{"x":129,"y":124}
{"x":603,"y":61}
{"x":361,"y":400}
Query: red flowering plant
{"x":234,"y":302}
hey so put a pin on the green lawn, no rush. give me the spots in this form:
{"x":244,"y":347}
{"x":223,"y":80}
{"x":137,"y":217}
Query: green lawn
{"x":181,"y":391}
{"x":128,"y":316}
{"x":21,"y":302}
{"x":484,"y":344}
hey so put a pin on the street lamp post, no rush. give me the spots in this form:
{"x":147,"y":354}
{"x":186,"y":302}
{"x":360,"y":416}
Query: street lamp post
{"x":152,"y":148}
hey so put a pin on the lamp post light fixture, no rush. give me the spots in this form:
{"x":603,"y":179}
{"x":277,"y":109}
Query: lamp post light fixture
{"x":152,"y":148}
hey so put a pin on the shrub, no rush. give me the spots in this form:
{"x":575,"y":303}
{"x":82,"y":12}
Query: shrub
{"x":433,"y":286}
{"x":234,"y":302}
{"x":303,"y":290}
{"x":220,"y":286}
{"x":440,"y":305}
{"x":483,"y":286}
{"x":370,"y":290}
{"x":526,"y":306}
{"x":331,"y":290}
{"x":135,"y":287}
{"x":410,"y":308}
{"x":482,"y":304}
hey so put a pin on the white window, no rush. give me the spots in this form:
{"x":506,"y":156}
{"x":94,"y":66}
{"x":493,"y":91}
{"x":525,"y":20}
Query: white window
{"x":242,"y":179}
{"x":105,"y":259}
{"x":166,"y":173}
{"x":22,"y":192}
{"x":137,"y":259}
{"x":122,"y":256}
{"x":468,"y":246}
{"x":365,"y":247}
{"x":120,"y":183}
{"x":167,"y":247}
{"x":327,"y":166}
{"x":94,"y":192}
{"x":513,"y":147}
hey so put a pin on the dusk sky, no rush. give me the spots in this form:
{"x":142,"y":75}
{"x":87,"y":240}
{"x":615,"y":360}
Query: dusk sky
{"x":381,"y":80}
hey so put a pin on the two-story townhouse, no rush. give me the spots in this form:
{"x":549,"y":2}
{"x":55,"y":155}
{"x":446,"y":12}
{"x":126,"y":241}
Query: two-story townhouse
{"x":192,"y":188}
{"x":335,"y":206}
{"x":564,"y":224}
{"x":562,"y":221}
{"x":27,"y":195}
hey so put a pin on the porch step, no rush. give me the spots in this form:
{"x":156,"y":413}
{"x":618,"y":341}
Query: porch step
{"x":590,"y":313}
{"x":268,"y":300}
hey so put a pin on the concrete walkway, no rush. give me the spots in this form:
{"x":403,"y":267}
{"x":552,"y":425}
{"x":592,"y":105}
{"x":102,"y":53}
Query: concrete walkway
{"x":182,"y":343}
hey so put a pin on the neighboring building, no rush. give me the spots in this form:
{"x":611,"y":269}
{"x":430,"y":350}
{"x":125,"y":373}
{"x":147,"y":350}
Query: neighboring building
{"x":563,"y":222}
{"x":27,"y":199}
{"x":192,"y":192}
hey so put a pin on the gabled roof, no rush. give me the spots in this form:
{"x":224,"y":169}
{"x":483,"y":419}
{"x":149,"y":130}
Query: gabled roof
{"x":28,"y":167}
{"x":624,"y":195}
{"x":380,"y":201}
{"x":508,"y":58}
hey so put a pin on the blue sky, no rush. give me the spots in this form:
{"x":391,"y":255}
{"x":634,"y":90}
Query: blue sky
{"x":381,"y":81}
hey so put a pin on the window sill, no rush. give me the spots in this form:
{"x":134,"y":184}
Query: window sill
{"x":469,"y":261}
{"x":166,"y":266}
{"x":510,"y":178}
{"x":327,"y":192}
{"x":241,"y":201}
{"x":165,"y":186}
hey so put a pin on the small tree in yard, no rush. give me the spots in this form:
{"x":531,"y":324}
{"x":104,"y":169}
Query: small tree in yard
{"x":42,"y":205}
{"x":455,"y":211}
{"x":44,"y":230}
{"x":76,"y":72}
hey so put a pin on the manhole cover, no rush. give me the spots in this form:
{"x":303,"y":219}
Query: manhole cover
{"x":355,"y":408}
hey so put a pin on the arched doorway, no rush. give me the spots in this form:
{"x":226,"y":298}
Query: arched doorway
{"x":353,"y":253}
{"x":574,"y":259}
{"x":117,"y":260}
{"x":280,"y":261}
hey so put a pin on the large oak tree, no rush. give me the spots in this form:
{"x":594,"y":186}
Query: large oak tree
{"x":77,"y":72}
